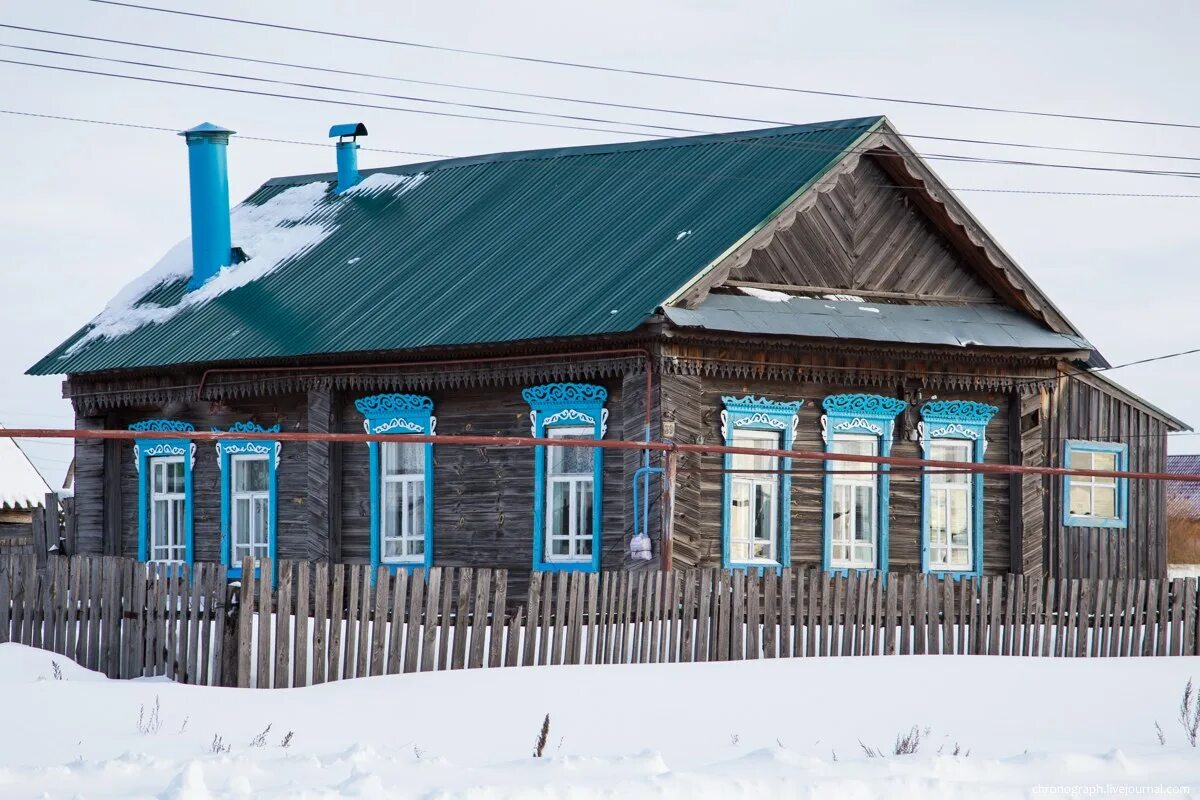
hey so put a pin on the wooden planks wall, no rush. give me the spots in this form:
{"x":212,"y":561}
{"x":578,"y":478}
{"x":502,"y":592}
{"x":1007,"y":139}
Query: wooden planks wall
{"x":863,"y":234}
{"x":1086,"y":408}
{"x":331,"y":622}
{"x":696,"y":403}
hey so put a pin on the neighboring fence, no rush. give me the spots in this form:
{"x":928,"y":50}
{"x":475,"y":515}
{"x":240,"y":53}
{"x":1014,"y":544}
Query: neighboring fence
{"x":51,"y":529}
{"x":328,"y":622}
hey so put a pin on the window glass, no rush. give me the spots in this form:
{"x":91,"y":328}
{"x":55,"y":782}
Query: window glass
{"x":1089,"y":495}
{"x":569,"y":491}
{"x":754,"y":498}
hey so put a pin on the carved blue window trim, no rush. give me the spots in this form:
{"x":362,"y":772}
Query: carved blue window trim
{"x":1122,"y":453}
{"x":566,"y":405}
{"x":398,"y":414}
{"x":264,"y":447}
{"x":869,"y":415}
{"x":143,"y":451}
{"x":759,"y":413}
{"x":956,"y":419}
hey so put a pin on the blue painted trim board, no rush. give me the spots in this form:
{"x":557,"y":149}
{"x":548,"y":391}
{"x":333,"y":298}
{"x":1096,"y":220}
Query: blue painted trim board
{"x":566,"y":405}
{"x":1122,"y":453}
{"x":759,"y":413}
{"x":398,"y":414}
{"x":143,"y":451}
{"x":226,"y":448}
{"x":863,"y":414}
{"x":956,"y":419}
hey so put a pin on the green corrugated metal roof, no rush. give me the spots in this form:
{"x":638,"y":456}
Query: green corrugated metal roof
{"x":547,"y":243}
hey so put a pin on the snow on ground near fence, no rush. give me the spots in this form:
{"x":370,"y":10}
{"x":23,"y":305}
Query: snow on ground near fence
{"x":722,"y":730}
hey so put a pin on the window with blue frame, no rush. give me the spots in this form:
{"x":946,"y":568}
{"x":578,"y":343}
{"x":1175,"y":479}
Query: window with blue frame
{"x":401,"y":479}
{"x":164,"y":469}
{"x":1094,"y":501}
{"x":952,"y":500}
{"x":756,"y":511}
{"x":249,"y":488}
{"x":857,"y":494}
{"x":567,"y":490}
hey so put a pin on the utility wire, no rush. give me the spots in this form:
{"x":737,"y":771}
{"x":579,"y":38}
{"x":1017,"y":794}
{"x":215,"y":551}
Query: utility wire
{"x":326,"y":101}
{"x":324,"y":88}
{"x":567,"y":99}
{"x":113,"y":123}
{"x":159,"y":128}
{"x":650,"y":73}
{"x":809,"y":147}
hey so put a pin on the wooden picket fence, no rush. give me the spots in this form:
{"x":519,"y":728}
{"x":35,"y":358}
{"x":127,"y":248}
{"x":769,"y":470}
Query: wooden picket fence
{"x":322,"y":622}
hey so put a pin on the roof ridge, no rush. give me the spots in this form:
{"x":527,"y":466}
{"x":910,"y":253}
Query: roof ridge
{"x":536,"y":154}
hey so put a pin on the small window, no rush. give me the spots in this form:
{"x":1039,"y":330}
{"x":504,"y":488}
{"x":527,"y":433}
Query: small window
{"x":855,"y":532}
{"x":250,"y":497}
{"x":951,"y":509}
{"x":164,"y":491}
{"x":569,"y":493}
{"x":754,"y":499}
{"x":168,"y":509}
{"x":1090,"y":500}
{"x":568,"y":482}
{"x":402,"y":475}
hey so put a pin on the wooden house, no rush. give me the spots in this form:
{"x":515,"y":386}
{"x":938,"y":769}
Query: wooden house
{"x":22,"y":490}
{"x":811,"y":287}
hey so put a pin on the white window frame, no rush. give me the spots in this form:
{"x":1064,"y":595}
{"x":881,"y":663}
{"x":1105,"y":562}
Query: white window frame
{"x":751,"y":480}
{"x":237,"y":552}
{"x":574,"y":481}
{"x":1092,"y":483}
{"x":170,"y":499}
{"x":411,"y":530}
{"x":963,"y":451}
{"x":847,"y":478}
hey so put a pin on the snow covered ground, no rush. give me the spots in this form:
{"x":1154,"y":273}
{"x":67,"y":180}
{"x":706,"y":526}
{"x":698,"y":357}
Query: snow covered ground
{"x":790,"y":728}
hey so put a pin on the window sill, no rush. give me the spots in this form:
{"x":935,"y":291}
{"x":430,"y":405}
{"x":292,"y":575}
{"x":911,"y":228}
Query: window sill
{"x":566,"y":566}
{"x":1094,"y":522}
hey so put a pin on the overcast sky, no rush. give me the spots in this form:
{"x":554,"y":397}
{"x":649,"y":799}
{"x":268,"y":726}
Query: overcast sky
{"x":89,"y":207}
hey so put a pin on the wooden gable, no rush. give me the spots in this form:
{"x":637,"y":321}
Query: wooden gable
{"x":863,"y":236}
{"x":882,"y":225}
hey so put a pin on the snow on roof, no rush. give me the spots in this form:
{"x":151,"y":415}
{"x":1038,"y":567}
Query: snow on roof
{"x":270,"y":234}
{"x":21,"y":486}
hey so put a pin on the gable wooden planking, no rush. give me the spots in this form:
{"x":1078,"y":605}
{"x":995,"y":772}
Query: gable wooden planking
{"x":863,"y":233}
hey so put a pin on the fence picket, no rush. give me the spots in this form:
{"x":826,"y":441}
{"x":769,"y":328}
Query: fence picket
{"x":300,"y":638}
{"x":479,"y":617}
{"x":419,"y":649}
{"x":321,"y":632}
{"x":400,"y":623}
{"x":282,"y":623}
{"x":379,"y":618}
{"x":424,"y":590}
{"x":499,"y":608}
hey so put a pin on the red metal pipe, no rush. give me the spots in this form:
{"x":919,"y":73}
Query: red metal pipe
{"x":607,"y":444}
{"x":310,"y":368}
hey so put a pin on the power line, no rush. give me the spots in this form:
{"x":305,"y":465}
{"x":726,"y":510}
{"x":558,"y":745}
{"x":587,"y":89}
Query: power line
{"x":1148,"y":360}
{"x":321,"y":87}
{"x":113,"y":123}
{"x":650,"y":73}
{"x":159,"y":128}
{"x":784,"y":146}
{"x":326,"y":101}
{"x":567,"y":99}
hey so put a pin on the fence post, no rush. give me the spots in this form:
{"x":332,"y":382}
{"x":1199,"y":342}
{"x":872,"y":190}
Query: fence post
{"x":229,"y":635}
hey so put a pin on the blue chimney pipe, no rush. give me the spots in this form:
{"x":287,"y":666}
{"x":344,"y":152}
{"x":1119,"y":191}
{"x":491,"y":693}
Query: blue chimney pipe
{"x":347,"y":161}
{"x":347,"y":152}
{"x":212,"y":246}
